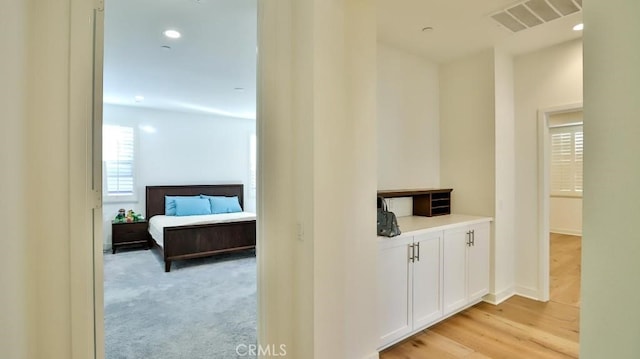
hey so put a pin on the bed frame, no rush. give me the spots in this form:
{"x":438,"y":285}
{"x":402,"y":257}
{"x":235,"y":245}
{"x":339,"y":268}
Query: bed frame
{"x":201,"y":240}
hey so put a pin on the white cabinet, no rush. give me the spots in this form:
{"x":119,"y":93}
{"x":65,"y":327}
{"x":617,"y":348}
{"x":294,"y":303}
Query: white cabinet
{"x":466,"y":265}
{"x":455,"y":269}
{"x":394,"y":290}
{"x":478,"y":267}
{"x":409,"y":285}
{"x":427,"y":276}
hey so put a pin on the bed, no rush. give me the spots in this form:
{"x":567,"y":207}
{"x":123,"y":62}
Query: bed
{"x":200,"y":238}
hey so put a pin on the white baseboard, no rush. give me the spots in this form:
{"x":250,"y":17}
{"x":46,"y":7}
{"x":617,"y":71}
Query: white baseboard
{"x":569,"y":232}
{"x":528,"y":292}
{"x":500,"y":297}
{"x":375,"y":355}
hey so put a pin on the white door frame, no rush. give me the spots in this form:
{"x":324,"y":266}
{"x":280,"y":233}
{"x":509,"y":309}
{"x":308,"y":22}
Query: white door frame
{"x":85,"y":158}
{"x":544,"y":161}
{"x":85,"y":109}
{"x":275,"y":319}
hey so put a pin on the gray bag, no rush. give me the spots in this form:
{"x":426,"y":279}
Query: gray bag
{"x":387,"y":222}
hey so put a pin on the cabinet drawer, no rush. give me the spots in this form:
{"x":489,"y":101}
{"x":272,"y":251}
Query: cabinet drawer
{"x":129,"y":237}
{"x":129,"y":232}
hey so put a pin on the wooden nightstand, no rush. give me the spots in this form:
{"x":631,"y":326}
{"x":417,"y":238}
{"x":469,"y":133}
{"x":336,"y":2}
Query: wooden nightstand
{"x":124,"y":234}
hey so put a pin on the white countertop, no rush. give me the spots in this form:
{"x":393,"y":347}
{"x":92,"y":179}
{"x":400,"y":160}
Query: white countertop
{"x":412,"y":225}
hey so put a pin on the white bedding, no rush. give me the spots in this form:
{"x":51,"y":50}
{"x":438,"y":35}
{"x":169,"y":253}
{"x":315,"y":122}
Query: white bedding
{"x":157,"y":223}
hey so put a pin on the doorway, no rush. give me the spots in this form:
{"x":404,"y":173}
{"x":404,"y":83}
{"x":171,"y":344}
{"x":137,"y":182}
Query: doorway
{"x":177,"y":80}
{"x":560,"y":147}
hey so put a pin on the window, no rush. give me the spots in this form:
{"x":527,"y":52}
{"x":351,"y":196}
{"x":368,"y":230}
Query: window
{"x":253,"y":162}
{"x":566,"y":160}
{"x":118,"y":152}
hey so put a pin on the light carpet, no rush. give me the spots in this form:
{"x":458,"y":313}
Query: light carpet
{"x":203,"y":309}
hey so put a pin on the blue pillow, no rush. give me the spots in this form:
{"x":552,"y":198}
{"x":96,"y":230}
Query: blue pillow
{"x":170,"y":204}
{"x":221,"y":204}
{"x":189,"y":206}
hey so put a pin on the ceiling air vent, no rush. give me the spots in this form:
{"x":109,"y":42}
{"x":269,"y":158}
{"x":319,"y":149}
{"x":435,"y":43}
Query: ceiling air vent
{"x":530,"y":13}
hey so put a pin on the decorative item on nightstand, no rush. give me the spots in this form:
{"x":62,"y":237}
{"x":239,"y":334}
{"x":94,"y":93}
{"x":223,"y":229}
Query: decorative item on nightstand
{"x":121,"y":216}
{"x":127,"y":216}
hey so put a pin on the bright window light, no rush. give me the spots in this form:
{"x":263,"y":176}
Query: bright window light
{"x":118,"y":155}
{"x":148,"y":129}
{"x":578,"y":27}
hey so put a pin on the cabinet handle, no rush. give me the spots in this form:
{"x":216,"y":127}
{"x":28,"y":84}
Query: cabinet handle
{"x":469,"y":239}
{"x":473,"y":237}
{"x":412,"y":253}
{"x":418,"y":256}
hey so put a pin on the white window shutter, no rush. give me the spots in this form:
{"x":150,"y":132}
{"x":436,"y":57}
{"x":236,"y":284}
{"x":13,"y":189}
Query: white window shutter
{"x":578,"y":156}
{"x":118,"y":155}
{"x":253,"y":164}
{"x":566,"y":160}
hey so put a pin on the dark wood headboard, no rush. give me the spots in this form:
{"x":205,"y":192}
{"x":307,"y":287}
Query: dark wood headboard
{"x":155,"y":194}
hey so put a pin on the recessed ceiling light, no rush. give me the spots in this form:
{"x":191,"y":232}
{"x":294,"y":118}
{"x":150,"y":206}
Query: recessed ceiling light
{"x":172,"y":34}
{"x":578,"y":27}
{"x":139,"y":98}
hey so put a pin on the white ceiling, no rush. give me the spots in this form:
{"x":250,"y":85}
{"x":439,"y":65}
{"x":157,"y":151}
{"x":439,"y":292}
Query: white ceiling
{"x":217,"y":51}
{"x":462,"y":27}
{"x":215,"y":55}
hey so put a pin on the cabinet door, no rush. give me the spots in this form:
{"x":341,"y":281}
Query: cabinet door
{"x":427,"y":276}
{"x":478,"y":261}
{"x":455,"y":268}
{"x":394,"y":289}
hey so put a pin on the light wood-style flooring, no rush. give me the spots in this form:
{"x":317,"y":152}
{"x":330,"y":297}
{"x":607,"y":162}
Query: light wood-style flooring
{"x":517,"y":328}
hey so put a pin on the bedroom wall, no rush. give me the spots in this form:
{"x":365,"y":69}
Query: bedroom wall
{"x":547,"y":78}
{"x":183,"y":148}
{"x":408,"y":120}
{"x":16,"y":261}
